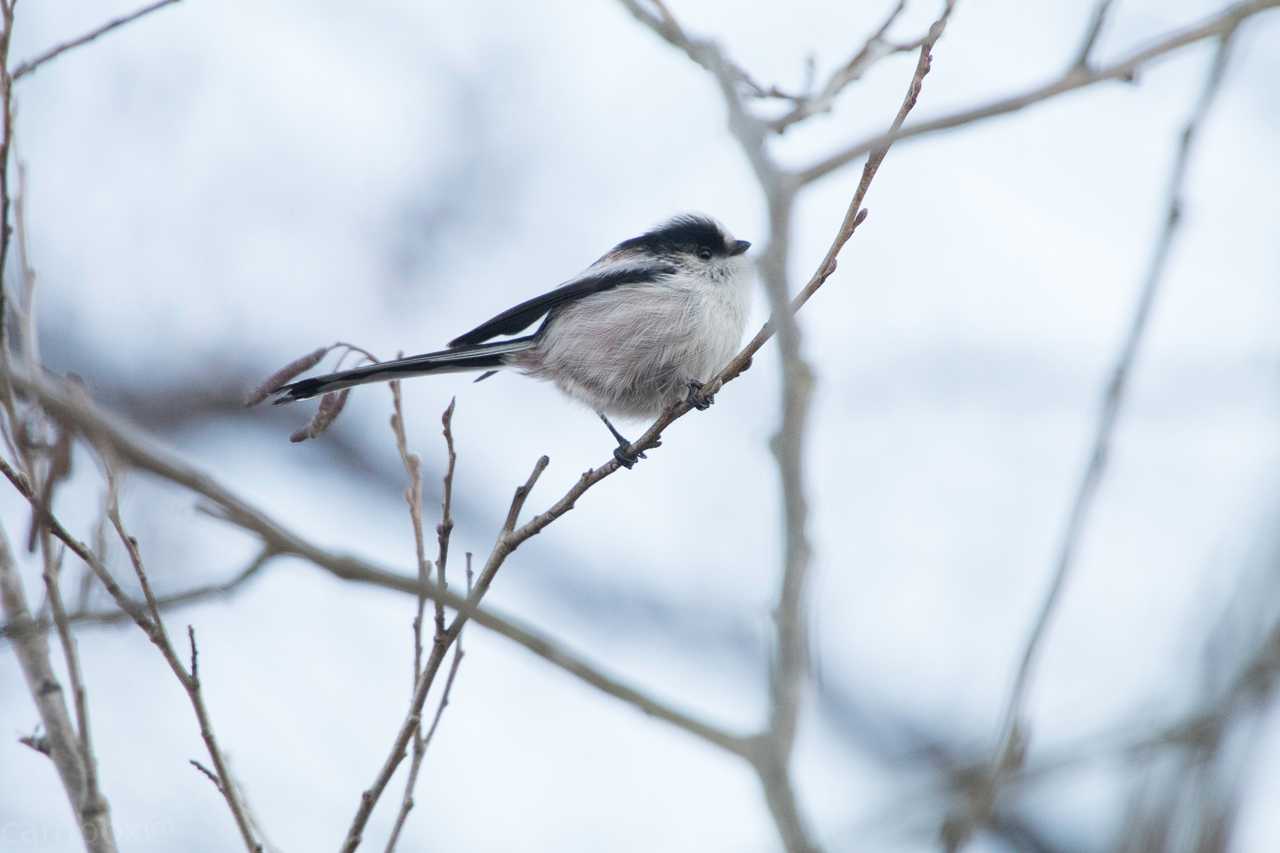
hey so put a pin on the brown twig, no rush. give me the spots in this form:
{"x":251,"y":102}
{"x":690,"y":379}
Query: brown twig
{"x":443,"y":532}
{"x":54,"y":52}
{"x":408,"y":729}
{"x":421,"y":742}
{"x":103,"y":429}
{"x":445,"y":528}
{"x":772,"y":749}
{"x":108,"y":432}
{"x":194,"y":595}
{"x":413,"y":497}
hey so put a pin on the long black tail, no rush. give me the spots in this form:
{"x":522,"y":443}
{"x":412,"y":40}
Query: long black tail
{"x":459,"y":360}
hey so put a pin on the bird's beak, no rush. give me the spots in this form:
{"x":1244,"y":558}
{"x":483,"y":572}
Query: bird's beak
{"x":739,"y":247}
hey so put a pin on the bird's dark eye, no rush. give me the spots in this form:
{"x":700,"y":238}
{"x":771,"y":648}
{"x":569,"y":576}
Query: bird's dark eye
{"x":704,"y":252}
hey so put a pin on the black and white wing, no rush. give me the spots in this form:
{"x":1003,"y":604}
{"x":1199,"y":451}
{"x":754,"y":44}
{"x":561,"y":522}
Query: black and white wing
{"x":595,"y":279}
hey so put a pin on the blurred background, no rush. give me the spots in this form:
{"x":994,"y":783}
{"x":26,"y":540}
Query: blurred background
{"x":219,"y":188}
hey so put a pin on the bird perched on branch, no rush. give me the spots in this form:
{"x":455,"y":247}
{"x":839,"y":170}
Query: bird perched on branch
{"x":640,"y":328}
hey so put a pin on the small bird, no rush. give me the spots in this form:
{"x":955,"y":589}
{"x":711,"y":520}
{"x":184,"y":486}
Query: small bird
{"x":637,"y":330}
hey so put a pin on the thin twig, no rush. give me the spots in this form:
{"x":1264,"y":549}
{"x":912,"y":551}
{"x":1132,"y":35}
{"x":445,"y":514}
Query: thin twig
{"x":458,"y":654}
{"x":208,"y":774}
{"x":1096,"y":22}
{"x":27,"y":305}
{"x":408,"y":729}
{"x":445,"y":528}
{"x":195,"y":595}
{"x":420,"y":744}
{"x":772,"y":749}
{"x":1010,"y":739}
{"x":413,"y":497}
{"x":6,"y":143}
{"x":109,"y":432}
{"x":189,"y":679}
{"x":413,"y":721}
{"x":53,"y":53}
{"x":1076,"y":78}
{"x":443,"y":532}
{"x":875,"y":48}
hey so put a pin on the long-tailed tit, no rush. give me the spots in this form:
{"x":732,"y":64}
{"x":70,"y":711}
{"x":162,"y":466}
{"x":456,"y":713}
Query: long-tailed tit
{"x":640,"y":328}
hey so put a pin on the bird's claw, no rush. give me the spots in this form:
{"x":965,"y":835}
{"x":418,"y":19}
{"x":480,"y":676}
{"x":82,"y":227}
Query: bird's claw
{"x":625,"y":459}
{"x":697,"y":399}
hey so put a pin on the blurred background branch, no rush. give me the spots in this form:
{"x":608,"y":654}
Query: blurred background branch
{"x":682,"y":611}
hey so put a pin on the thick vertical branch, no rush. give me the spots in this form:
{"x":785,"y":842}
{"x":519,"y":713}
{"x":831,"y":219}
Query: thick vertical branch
{"x":6,"y":142}
{"x":92,"y":802}
{"x":772,"y":749}
{"x":59,"y":742}
{"x":54,"y":52}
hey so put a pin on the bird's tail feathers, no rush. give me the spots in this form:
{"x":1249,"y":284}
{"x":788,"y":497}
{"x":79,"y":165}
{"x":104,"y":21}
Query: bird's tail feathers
{"x":485,"y":357}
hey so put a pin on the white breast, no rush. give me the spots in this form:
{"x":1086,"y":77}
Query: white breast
{"x":632,"y":350}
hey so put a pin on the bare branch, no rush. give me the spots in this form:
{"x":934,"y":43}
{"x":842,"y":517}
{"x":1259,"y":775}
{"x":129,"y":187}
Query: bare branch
{"x":522,"y":494}
{"x":195,"y":595}
{"x":413,"y":497}
{"x":876,"y":47}
{"x":102,"y":430}
{"x":443,"y":532}
{"x":701,"y":52}
{"x":27,"y":305}
{"x":772,"y":750}
{"x":420,"y":744}
{"x":6,"y":143}
{"x":59,"y":469}
{"x":408,"y":729}
{"x":1096,"y":22}
{"x":208,"y":774}
{"x":458,"y":654}
{"x":445,"y":528}
{"x":412,"y":723}
{"x":1010,"y":747}
{"x":1076,"y":78}
{"x":92,"y":803}
{"x":53,"y":53}
{"x":189,"y":679}
{"x":107,"y":431}
{"x":60,"y":741}
{"x":135,"y":611}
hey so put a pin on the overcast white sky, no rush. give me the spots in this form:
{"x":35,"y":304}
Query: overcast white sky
{"x":224,"y":186}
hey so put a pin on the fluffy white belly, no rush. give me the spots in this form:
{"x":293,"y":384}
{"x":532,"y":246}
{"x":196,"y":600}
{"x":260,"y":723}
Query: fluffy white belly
{"x":632,"y":350}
